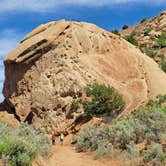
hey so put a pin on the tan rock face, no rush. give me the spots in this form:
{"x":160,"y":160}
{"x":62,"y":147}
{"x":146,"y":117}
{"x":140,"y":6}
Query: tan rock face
{"x":7,"y":117}
{"x":53,"y":63}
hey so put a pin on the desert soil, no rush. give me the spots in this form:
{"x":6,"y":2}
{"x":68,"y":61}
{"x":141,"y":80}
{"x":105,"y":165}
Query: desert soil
{"x":67,"y":156}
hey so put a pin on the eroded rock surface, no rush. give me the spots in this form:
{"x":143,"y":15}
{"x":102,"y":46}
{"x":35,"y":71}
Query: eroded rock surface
{"x":52,"y":64}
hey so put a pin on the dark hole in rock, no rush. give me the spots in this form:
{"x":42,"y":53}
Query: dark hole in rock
{"x":29,"y":118}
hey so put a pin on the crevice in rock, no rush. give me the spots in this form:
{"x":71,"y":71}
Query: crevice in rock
{"x":39,"y":52}
{"x":33,"y":47}
{"x":8,"y":106}
{"x":29,"y":118}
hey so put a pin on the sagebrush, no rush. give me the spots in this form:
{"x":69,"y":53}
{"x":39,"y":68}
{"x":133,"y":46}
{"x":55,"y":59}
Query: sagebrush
{"x":20,"y":146}
{"x":145,"y":125}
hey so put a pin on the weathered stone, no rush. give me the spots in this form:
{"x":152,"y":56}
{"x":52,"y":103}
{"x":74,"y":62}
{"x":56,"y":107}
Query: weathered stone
{"x":52,"y":64}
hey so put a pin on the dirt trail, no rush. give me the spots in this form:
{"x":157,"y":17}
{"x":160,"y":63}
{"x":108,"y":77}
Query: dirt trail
{"x":67,"y":156}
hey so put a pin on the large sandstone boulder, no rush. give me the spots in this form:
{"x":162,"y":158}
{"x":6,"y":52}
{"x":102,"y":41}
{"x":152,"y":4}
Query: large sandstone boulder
{"x":52,"y":64}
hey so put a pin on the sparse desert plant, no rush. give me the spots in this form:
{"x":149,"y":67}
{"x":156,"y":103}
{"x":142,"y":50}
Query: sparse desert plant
{"x":115,"y":32}
{"x":151,"y":53}
{"x":96,"y":139}
{"x":75,"y":105}
{"x":143,"y":20}
{"x":163,"y":65}
{"x":104,"y":100}
{"x":19,"y":147}
{"x":161,"y":40}
{"x":152,"y":37}
{"x":125,"y":27}
{"x":122,"y":133}
{"x":153,"y":118}
{"x":104,"y":148}
{"x":143,"y":47}
{"x":147,"y":31}
{"x":160,"y":99}
{"x":88,"y":138}
{"x":131,"y":151}
{"x":154,"y":155}
{"x":131,"y":38}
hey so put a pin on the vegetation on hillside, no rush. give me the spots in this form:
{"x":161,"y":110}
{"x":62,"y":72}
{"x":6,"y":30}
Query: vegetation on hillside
{"x":131,"y":38}
{"x":145,"y":126}
{"x":125,"y":27}
{"x":161,"y":40}
{"x":147,"y":31}
{"x":116,"y":32}
{"x":143,"y":20}
{"x":20,"y":146}
{"x":153,"y":51}
{"x":163,"y":65}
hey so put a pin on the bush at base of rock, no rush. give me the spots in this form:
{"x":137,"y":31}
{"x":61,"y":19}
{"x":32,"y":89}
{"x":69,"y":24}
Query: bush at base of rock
{"x":145,"y":125}
{"x":155,"y":155}
{"x":104,"y":100}
{"x":20,"y":146}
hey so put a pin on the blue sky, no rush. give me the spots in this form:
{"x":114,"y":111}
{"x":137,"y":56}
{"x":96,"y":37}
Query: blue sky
{"x":18,"y":17}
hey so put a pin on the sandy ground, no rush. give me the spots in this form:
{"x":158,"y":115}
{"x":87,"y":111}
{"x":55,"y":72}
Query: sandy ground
{"x":67,"y":156}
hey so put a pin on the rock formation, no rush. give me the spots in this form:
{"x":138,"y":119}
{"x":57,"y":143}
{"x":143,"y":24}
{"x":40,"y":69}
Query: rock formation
{"x":52,"y":64}
{"x":147,"y":31}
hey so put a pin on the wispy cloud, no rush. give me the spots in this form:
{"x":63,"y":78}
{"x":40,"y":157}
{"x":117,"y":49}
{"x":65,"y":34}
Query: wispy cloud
{"x":1,"y":75}
{"x":9,"y":39}
{"x":49,"y":5}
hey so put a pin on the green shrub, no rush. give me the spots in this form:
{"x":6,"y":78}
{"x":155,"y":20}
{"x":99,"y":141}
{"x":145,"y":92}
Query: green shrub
{"x":104,"y":100}
{"x":163,"y":65}
{"x":19,"y":147}
{"x":153,"y":118}
{"x":143,"y":47}
{"x":131,"y":152}
{"x":154,"y":155}
{"x":75,"y":105}
{"x":89,"y":138}
{"x":125,"y":27}
{"x":115,"y":32}
{"x":94,"y":138}
{"x":143,"y":20}
{"x":160,"y":99}
{"x":161,"y":40}
{"x":150,"y":53}
{"x":152,"y":37}
{"x":122,"y":133}
{"x":104,"y":148}
{"x":130,"y":38}
{"x":147,"y":31}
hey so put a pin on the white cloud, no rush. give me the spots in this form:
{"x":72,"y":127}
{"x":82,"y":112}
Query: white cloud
{"x":9,"y":39}
{"x":2,"y":77}
{"x":48,"y":5}
{"x":6,"y":45}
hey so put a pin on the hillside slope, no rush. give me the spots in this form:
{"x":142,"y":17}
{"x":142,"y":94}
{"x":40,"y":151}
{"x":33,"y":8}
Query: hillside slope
{"x":151,"y":35}
{"x":52,"y":64}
